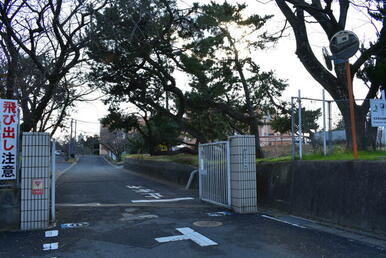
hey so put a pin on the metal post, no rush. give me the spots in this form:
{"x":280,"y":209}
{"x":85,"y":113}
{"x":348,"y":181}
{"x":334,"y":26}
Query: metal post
{"x":329,"y":126}
{"x":19,"y":150}
{"x":76,"y":125}
{"x":300,"y":127}
{"x":324,"y":124}
{"x":293,"y":128}
{"x":70,"y":140}
{"x":384,"y":128}
{"x":228,"y":157}
{"x":352,"y":114}
{"x":200,"y":169}
{"x":53,"y":177}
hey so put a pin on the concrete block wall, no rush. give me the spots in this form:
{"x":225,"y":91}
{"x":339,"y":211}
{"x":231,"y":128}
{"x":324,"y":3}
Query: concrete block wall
{"x":346,"y":193}
{"x":9,"y":209}
{"x":243,"y":173}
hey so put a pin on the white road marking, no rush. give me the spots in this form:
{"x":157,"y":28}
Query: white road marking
{"x":154,"y":195}
{"x":144,"y":191}
{"x":172,"y":238}
{"x":50,"y":246}
{"x":188,"y":233}
{"x":52,"y":233}
{"x":283,"y":221}
{"x":134,"y":186}
{"x":164,"y":200}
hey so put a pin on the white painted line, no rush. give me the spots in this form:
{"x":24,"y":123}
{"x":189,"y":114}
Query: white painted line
{"x":134,"y":186}
{"x":164,"y":200}
{"x":196,"y":237}
{"x":60,"y":173}
{"x":154,"y":195}
{"x":188,"y":233}
{"x":52,"y":233}
{"x":50,"y":246}
{"x":283,"y":221}
{"x":144,"y":191}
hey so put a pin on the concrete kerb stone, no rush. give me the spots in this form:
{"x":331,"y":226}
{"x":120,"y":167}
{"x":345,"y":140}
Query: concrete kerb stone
{"x":60,"y":173}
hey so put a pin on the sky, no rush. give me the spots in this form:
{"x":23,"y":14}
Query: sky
{"x":281,"y":58}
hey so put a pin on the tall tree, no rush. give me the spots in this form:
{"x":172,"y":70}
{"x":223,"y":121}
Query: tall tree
{"x":116,"y":141}
{"x":225,"y":76}
{"x":135,"y":57}
{"x":300,"y":14}
{"x":49,"y":33}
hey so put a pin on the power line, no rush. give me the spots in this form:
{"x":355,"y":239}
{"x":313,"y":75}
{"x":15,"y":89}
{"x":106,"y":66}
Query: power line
{"x":87,"y":122}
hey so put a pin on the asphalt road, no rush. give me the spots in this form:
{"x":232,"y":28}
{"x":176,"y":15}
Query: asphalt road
{"x":104,"y":197}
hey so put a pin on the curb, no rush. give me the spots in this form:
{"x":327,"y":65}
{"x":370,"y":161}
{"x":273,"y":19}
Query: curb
{"x":60,"y":173}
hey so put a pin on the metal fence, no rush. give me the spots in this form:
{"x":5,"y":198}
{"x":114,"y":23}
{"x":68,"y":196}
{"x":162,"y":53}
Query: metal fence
{"x":214,"y":173}
{"x":318,"y":127}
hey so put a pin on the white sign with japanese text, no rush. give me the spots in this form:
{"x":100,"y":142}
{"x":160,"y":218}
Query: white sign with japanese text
{"x":8,"y":139}
{"x":378,"y":112}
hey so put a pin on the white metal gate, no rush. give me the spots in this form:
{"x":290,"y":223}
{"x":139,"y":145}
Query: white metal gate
{"x":214,"y":171}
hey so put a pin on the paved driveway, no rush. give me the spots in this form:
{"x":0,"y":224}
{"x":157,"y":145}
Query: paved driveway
{"x":120,"y":214}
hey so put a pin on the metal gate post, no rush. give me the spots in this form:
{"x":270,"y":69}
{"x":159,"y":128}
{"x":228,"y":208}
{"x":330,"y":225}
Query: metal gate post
{"x":53,"y":177}
{"x":293,"y":147}
{"x":324,"y":124}
{"x":200,"y":168}
{"x":228,"y":155}
{"x":300,"y":126}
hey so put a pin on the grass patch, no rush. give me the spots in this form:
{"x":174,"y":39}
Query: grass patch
{"x":278,"y":159}
{"x":71,"y":160}
{"x":343,"y":155}
{"x":363,"y":155}
{"x":187,"y":159}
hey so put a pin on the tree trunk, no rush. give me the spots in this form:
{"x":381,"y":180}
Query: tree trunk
{"x":366,"y":135}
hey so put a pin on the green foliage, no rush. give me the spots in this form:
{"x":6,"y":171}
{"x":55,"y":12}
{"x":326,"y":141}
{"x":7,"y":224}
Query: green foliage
{"x":139,"y":45}
{"x":164,"y":131}
{"x":281,"y":124}
{"x":88,"y":144}
{"x":222,"y":71}
{"x":309,"y":118}
{"x":183,"y":158}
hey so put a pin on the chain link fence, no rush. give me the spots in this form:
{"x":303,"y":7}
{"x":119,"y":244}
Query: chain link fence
{"x":318,"y":127}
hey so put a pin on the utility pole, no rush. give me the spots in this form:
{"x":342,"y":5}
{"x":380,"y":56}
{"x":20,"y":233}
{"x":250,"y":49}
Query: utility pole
{"x":70,"y":139}
{"x":76,"y":124}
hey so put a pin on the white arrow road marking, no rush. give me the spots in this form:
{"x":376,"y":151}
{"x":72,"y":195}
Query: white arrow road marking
{"x":52,"y":233}
{"x":188,"y":233}
{"x":50,"y":246}
{"x":164,"y":200}
{"x":172,"y":238}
